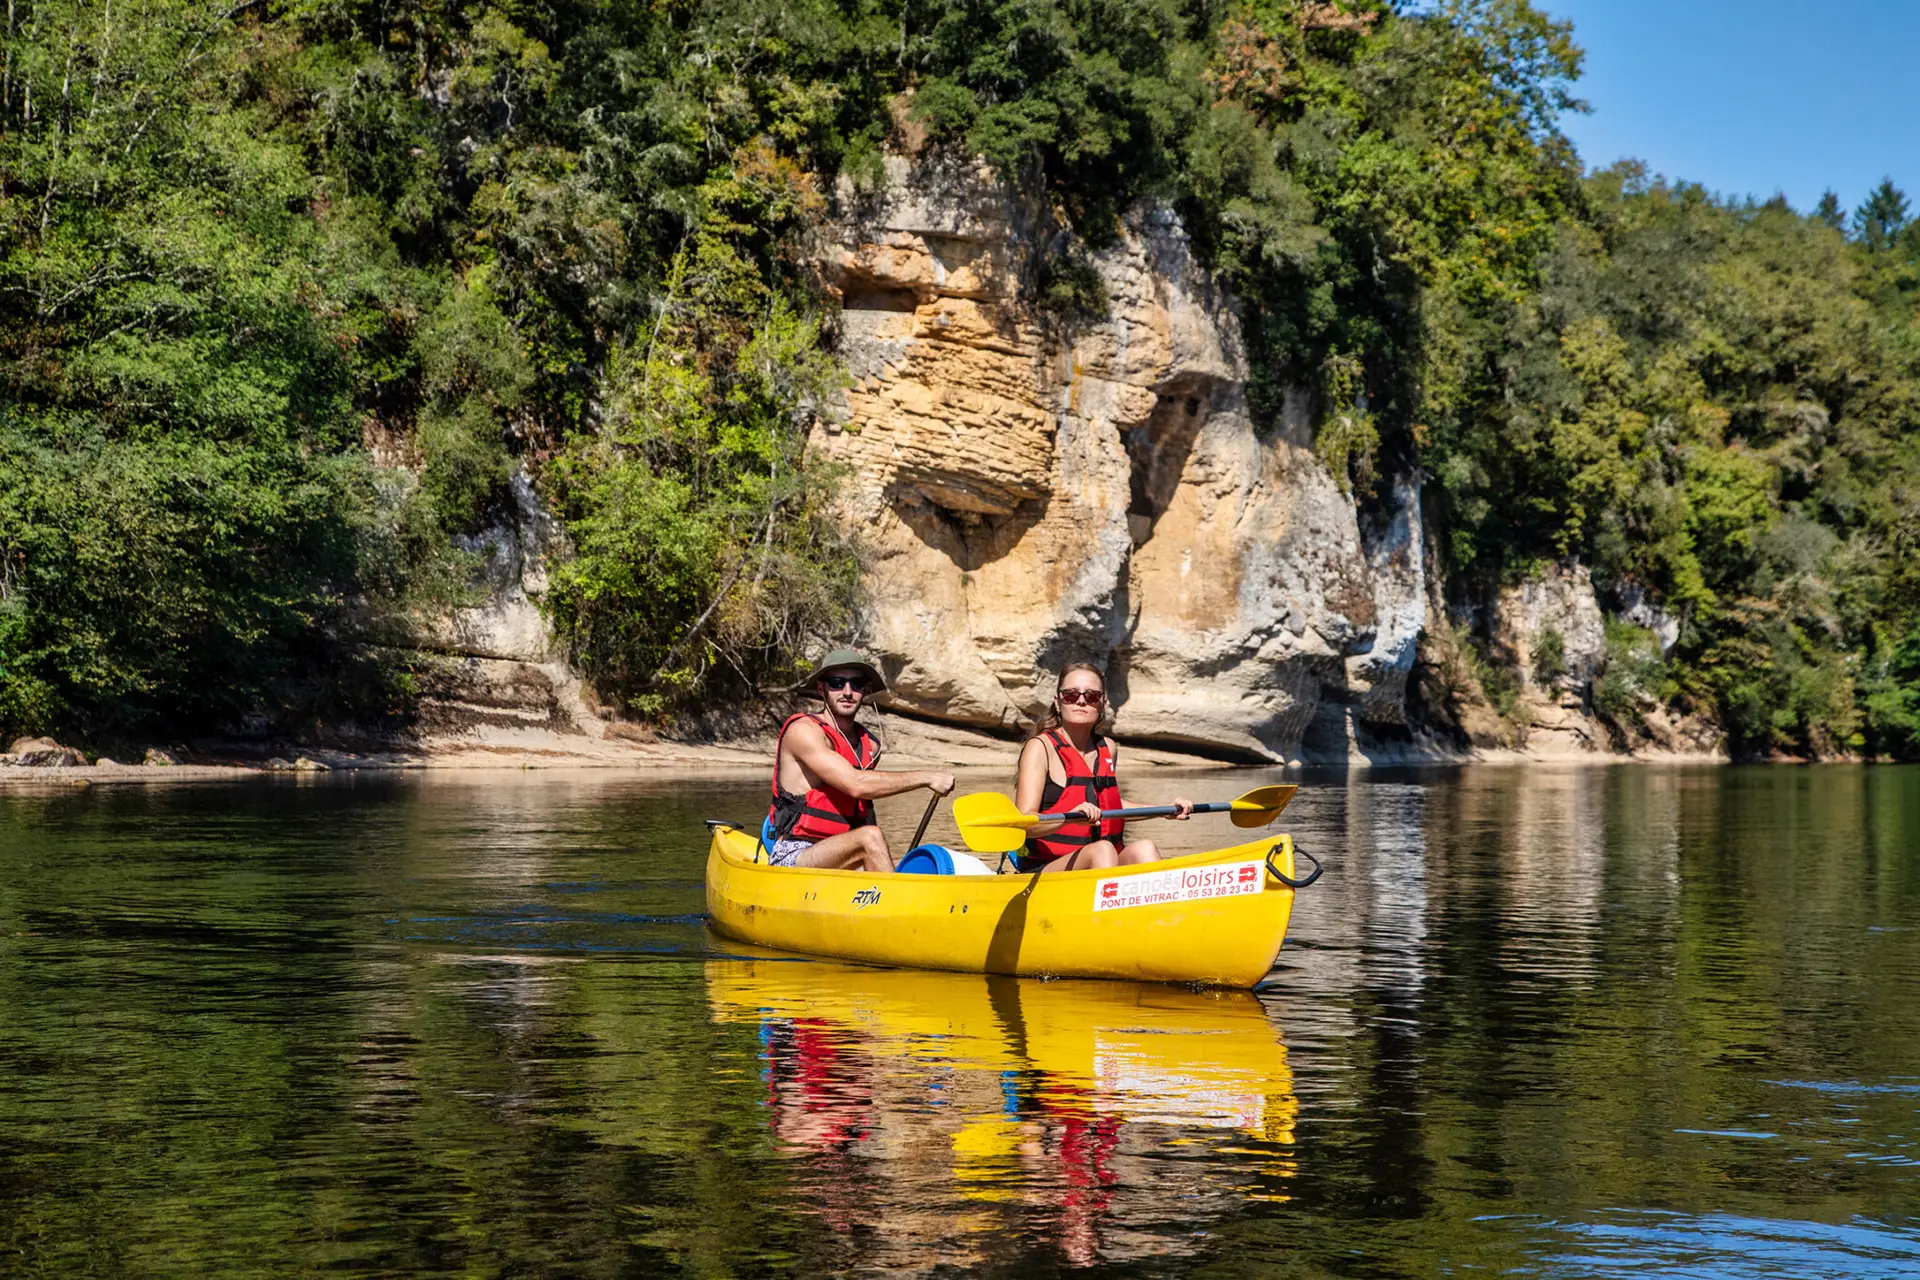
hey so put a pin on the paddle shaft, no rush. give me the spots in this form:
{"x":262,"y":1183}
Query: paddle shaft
{"x":925,"y":818}
{"x":989,"y":823}
{"x":1158,"y":810}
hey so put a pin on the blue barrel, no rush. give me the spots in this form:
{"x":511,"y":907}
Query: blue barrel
{"x":926,"y":860}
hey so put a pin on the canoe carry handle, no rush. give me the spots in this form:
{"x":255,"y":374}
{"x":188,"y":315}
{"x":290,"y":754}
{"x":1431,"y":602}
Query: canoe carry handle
{"x":1287,"y":880}
{"x":721,"y":824}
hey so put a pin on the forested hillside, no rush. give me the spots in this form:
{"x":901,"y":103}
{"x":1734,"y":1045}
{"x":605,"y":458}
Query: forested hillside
{"x":252,"y":256}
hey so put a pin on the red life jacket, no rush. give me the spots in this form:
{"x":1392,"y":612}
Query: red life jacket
{"x":1097,"y":785}
{"x":823,"y":811}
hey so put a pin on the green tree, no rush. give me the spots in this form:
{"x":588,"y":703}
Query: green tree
{"x":188,"y":523}
{"x":1881,"y":217}
{"x":291,"y":292}
{"x":1829,"y":212}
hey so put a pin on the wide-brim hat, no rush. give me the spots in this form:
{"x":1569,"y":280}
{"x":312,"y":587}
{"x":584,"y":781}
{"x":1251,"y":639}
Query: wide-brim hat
{"x":843,"y":659}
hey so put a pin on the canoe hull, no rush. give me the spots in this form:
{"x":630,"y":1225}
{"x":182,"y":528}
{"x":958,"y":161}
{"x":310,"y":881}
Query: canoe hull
{"x":1216,"y":918}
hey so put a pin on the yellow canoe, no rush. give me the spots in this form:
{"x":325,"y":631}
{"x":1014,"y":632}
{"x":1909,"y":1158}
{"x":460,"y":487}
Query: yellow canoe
{"x":1215,"y":919}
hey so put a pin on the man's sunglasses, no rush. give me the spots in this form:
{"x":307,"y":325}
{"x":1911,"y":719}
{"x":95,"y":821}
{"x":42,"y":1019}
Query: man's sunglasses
{"x":1087,"y":697}
{"x":845,"y":682}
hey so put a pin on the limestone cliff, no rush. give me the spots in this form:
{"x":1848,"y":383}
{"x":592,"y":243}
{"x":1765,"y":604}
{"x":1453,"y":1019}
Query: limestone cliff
{"x":1029,"y":491}
{"x":1033,"y":492}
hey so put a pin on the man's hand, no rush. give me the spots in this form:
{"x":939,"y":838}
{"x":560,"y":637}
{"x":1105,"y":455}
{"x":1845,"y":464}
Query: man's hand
{"x":941,"y":784}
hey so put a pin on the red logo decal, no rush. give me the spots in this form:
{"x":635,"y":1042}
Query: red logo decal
{"x":1248,"y":873}
{"x":1110,"y":889}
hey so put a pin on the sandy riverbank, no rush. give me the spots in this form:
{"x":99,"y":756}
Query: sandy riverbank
{"x":908,"y":743}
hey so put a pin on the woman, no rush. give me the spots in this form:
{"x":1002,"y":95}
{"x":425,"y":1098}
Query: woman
{"x":1068,"y":769}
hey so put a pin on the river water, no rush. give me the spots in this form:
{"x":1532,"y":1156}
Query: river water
{"x":1581,"y":1022}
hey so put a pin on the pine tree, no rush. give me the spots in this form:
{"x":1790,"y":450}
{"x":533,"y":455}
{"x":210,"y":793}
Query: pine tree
{"x":1881,"y":217}
{"x":1828,"y":211}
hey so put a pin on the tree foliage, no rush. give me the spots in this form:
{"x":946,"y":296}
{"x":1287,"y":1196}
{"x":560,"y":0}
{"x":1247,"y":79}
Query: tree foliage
{"x":186,"y":516}
{"x":246,"y":251}
{"x":1713,"y":401}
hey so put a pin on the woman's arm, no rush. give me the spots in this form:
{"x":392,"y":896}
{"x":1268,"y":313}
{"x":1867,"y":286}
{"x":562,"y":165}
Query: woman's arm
{"x":1030,"y":784}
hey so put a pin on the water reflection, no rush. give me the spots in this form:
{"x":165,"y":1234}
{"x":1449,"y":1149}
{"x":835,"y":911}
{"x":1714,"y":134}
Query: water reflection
{"x":1112,"y":1120}
{"x":1575,"y":1022}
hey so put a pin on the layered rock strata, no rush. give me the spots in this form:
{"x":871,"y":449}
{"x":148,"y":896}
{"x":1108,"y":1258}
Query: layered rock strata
{"x":1034,"y":492}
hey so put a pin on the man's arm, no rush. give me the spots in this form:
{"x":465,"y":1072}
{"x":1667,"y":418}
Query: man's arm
{"x":808,"y":742}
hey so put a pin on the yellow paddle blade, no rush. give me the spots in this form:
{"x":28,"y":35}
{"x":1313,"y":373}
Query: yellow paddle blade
{"x":990,"y":823}
{"x":1262,"y":805}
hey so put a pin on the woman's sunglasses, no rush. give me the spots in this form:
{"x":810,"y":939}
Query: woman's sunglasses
{"x":845,"y":682}
{"x":1083,"y":697}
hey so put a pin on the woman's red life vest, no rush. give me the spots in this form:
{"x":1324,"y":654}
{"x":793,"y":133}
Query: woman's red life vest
{"x":1097,"y":785}
{"x":823,"y":811}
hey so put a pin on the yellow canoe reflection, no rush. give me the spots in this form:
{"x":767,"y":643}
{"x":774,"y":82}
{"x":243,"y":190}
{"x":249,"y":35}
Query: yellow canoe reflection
{"x":1147,"y":1053}
{"x":948,"y":1110}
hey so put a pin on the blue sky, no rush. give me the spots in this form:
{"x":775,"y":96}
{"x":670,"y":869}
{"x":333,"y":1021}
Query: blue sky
{"x":1752,"y":96}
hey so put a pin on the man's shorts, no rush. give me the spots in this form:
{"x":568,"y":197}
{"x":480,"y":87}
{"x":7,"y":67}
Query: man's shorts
{"x":786,"y":853}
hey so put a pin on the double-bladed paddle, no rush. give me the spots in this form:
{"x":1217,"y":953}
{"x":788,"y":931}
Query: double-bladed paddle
{"x":990,"y":823}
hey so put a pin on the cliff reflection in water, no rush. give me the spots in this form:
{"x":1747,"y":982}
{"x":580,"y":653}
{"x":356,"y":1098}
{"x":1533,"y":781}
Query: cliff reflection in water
{"x":1107,"y":1119}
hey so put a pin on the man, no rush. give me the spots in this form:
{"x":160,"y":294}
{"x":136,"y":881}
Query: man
{"x":824,"y":782}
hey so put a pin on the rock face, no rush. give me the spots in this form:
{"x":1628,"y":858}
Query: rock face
{"x":496,"y":675}
{"x":1636,"y":608}
{"x":1034,"y":492}
{"x":1553,"y":628}
{"x":507,"y":623}
{"x":1032,"y":489}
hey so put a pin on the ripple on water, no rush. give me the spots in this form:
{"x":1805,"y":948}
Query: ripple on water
{"x":1652,"y":1243}
{"x":1848,"y":1086}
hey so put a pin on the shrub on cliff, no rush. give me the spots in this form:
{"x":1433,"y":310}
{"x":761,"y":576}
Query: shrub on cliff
{"x":1632,"y":677}
{"x":703,"y":552}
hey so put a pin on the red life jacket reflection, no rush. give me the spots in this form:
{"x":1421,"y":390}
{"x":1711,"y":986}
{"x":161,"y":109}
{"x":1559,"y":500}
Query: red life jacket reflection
{"x":823,"y":811}
{"x":817,"y":1083}
{"x":1098,"y":785}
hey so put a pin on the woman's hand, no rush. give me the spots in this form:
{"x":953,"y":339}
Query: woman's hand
{"x":1185,"y":806}
{"x":1089,"y":811}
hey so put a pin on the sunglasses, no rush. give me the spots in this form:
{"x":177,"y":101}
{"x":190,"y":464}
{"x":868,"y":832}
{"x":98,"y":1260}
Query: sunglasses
{"x":1083,"y":697}
{"x":845,"y":682}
